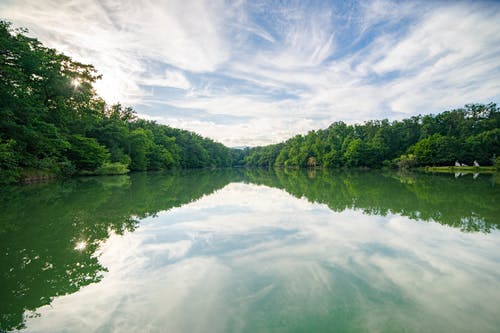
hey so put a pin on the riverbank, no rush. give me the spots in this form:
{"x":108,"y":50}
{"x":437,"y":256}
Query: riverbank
{"x":34,"y":176}
{"x":462,"y":169}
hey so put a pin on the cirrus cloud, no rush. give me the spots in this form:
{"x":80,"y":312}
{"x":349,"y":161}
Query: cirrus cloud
{"x":253,"y":73}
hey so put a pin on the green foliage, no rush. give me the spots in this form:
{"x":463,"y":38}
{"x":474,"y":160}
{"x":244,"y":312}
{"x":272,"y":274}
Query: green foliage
{"x":49,"y":124}
{"x":406,"y":161}
{"x":160,"y":158}
{"x":112,"y":169}
{"x":332,"y":159}
{"x":238,"y":156}
{"x":66,"y":168}
{"x":86,"y":153}
{"x":355,"y":153}
{"x":118,"y":155}
{"x":436,"y":150}
{"x":140,"y":141}
{"x":263,"y":156}
{"x":9,"y":170}
{"x":467,"y":134}
{"x":482,"y":147}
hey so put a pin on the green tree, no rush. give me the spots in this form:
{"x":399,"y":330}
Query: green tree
{"x":9,"y":169}
{"x":140,"y":142}
{"x":436,"y":150}
{"x":86,"y":153}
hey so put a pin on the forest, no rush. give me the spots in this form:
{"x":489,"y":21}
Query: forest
{"x":53,"y":124}
{"x":466,"y":135}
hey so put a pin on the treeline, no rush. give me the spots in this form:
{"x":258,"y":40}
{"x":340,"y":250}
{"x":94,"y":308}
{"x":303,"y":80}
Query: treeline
{"x":468,"y":134}
{"x":53,"y":123}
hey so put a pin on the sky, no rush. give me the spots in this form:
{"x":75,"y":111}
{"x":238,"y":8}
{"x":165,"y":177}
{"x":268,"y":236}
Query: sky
{"x":248,"y":73}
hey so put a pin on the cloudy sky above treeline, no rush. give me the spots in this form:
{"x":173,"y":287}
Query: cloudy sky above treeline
{"x":249,"y":73}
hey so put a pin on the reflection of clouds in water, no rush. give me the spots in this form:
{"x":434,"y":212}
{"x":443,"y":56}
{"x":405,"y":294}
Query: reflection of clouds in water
{"x":262,"y":257}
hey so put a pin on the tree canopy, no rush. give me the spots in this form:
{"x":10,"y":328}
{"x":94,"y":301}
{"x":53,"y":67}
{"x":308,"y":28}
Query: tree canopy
{"x":467,"y":134}
{"x":51,"y":119}
{"x":53,"y":122}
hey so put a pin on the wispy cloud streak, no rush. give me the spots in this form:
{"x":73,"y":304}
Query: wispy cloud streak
{"x":280,"y":69}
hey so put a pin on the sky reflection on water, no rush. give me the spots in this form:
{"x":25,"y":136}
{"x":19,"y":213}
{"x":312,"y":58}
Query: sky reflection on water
{"x":251,"y":258}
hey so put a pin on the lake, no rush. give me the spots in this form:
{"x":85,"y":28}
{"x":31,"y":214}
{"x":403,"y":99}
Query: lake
{"x":252,"y":251}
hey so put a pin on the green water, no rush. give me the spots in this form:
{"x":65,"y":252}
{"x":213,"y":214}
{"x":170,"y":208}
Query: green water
{"x":252,"y":251}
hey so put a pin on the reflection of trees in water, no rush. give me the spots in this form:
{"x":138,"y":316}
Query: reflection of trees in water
{"x":41,"y":224}
{"x":466,"y":203}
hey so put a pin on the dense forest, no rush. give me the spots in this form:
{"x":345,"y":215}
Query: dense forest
{"x":466,"y":135}
{"x":52,"y":122}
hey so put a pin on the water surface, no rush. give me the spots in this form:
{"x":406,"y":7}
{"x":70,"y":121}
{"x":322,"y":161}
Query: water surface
{"x":252,"y":251}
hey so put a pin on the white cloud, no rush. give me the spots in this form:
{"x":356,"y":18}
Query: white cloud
{"x":307,"y":39}
{"x":280,"y":69}
{"x":172,"y":79}
{"x":122,"y":37}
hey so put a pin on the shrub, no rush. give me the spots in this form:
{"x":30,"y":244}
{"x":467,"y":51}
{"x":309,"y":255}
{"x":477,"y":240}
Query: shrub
{"x":406,"y":161}
{"x":9,"y":169}
{"x":112,"y":169}
{"x":86,"y":153}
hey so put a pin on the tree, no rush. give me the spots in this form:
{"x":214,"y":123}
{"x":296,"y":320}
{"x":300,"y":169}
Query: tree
{"x":436,"y":150}
{"x":140,"y":142}
{"x":9,"y":167}
{"x":466,"y":134}
{"x":356,"y":153}
{"x":86,"y":153}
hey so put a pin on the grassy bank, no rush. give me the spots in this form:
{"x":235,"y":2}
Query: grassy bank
{"x":463,"y":169}
{"x":107,"y":169}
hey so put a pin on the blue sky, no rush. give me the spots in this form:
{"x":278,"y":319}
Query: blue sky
{"x":258,"y":72}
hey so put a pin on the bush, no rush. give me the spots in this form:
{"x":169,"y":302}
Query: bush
{"x":112,"y":169}
{"x":406,"y":161}
{"x":436,"y":150}
{"x":389,"y":164}
{"x":9,"y":169}
{"x":66,"y":168}
{"x":86,"y":153}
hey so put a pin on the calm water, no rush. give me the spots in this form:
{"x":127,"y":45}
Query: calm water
{"x":252,"y":251}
